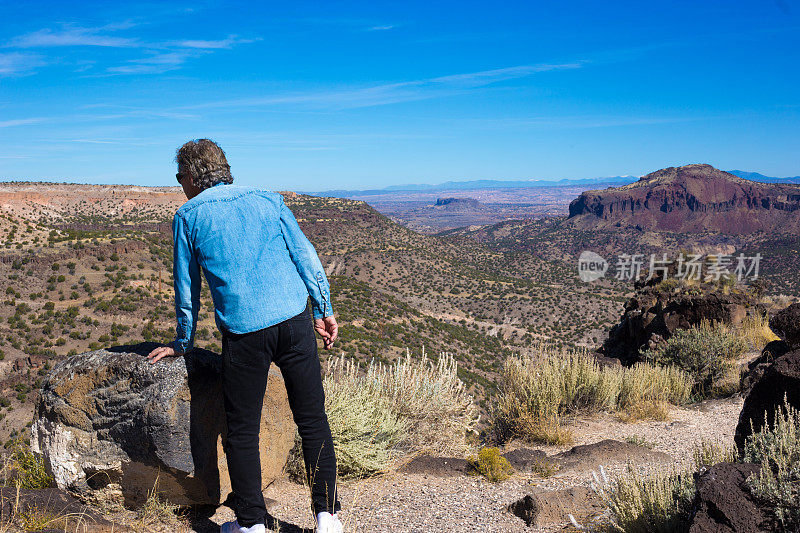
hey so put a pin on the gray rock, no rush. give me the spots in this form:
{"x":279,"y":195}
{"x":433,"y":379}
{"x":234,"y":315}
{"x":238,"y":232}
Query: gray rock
{"x":111,"y":426}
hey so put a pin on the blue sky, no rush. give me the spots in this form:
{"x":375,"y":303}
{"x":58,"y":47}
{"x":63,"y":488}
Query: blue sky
{"x":324,"y":95}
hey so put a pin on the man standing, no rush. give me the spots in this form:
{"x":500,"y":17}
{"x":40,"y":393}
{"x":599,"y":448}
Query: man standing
{"x":261,"y":270}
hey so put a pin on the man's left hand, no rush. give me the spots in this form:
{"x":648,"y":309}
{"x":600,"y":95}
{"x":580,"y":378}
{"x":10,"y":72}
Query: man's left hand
{"x":161,"y":352}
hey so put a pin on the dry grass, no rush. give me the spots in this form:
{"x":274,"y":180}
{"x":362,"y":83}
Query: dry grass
{"x":756,"y":332}
{"x":156,"y":511}
{"x":537,"y":391}
{"x":661,"y":502}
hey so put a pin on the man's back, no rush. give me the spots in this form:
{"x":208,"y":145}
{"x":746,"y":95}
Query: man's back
{"x":259,"y":266}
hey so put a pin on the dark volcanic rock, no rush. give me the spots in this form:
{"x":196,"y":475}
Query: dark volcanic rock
{"x":723,"y":504}
{"x":786,"y":325}
{"x":591,"y":456}
{"x":436,"y":466}
{"x":759,"y":365}
{"x":525,"y":459}
{"x":109,"y":424}
{"x":68,"y":513}
{"x":780,"y":380}
{"x":652,"y":316}
{"x":691,"y":199}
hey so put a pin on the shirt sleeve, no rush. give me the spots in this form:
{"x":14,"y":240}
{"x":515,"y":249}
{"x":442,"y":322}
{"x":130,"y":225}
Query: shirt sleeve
{"x":307,"y":262}
{"x":186,"y":273}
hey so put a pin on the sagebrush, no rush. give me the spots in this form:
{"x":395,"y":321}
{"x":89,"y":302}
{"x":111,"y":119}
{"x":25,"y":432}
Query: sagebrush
{"x":382,"y":412}
{"x":777,"y":448}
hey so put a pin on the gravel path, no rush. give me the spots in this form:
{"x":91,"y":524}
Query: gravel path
{"x":400,"y":503}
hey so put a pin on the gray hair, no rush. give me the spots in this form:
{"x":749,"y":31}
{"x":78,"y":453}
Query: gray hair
{"x":205,"y":161}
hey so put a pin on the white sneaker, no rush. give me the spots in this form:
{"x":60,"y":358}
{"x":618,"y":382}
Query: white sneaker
{"x":328,"y":523}
{"x":234,"y":527}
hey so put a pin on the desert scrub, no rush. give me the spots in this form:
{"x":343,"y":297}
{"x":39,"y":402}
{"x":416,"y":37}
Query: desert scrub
{"x":537,"y":391}
{"x":707,"y":352}
{"x":659,"y":503}
{"x":384,"y":411}
{"x":24,"y":468}
{"x":777,"y":449}
{"x":491,"y":465}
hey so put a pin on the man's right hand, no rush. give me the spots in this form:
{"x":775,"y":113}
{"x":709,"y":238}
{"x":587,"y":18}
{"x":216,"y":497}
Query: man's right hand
{"x":328,"y":329}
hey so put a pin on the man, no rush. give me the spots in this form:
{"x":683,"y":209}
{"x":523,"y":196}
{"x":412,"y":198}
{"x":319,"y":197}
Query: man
{"x":261,"y":271}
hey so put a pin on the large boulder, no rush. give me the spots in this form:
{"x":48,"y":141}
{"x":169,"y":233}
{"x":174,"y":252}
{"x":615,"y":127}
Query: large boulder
{"x":723,"y":504}
{"x":112,"y":426}
{"x":786,"y":325}
{"x":780,"y":380}
{"x":653,"y":315}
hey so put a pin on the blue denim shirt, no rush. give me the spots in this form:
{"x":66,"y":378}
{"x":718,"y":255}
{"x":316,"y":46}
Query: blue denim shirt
{"x":260,"y":267}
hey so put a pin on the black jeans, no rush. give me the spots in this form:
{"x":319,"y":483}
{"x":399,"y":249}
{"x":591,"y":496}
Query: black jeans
{"x":292,"y":346}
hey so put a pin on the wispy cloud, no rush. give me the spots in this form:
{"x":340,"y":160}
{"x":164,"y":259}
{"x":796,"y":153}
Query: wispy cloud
{"x":384,"y":27}
{"x":155,"y":63}
{"x":229,"y":42}
{"x":159,"y":56}
{"x":21,"y":122}
{"x":393,"y":93}
{"x":19,"y":64}
{"x":74,"y":36}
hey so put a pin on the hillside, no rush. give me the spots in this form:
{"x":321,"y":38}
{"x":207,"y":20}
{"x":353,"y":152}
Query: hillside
{"x":691,"y":199}
{"x":85,"y":266}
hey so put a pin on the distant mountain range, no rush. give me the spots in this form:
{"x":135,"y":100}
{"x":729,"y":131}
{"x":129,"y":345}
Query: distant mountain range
{"x":595,"y":183}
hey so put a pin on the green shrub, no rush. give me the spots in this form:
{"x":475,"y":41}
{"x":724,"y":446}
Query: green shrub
{"x":26,"y":468}
{"x":491,"y":465}
{"x":707,"y":353}
{"x":777,"y":449}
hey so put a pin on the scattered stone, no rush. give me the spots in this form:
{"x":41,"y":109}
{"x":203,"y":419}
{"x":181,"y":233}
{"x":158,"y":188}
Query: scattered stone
{"x":110,"y":426}
{"x":554,"y":507}
{"x":780,"y":380}
{"x":436,"y":466}
{"x":786,"y":325}
{"x":65,"y":511}
{"x":525,"y":459}
{"x":723,"y":503}
{"x":591,"y":456}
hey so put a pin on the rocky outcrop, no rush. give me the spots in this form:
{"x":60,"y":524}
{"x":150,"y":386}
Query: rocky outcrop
{"x":759,"y":365}
{"x":652,"y":316}
{"x":691,"y":199}
{"x":780,"y":380}
{"x":723,"y":504}
{"x":786,"y":325}
{"x":112,"y":426}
